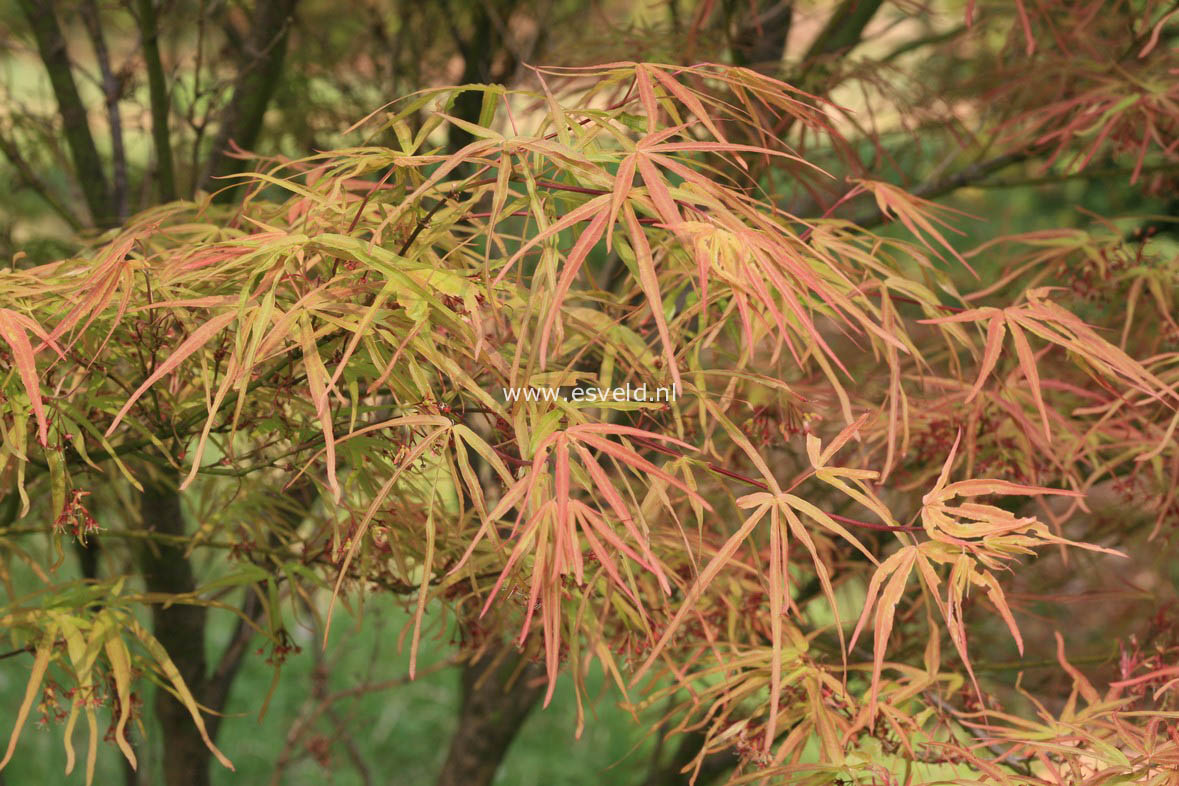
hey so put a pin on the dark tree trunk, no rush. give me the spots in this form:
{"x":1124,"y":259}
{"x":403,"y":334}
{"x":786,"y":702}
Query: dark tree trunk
{"x":498,"y":693}
{"x":258,"y":77}
{"x":180,"y":628}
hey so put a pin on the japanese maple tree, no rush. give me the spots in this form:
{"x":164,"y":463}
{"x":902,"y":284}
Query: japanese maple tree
{"x":795,"y":563}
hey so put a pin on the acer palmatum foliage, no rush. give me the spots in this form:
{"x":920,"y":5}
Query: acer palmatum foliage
{"x":859,"y":456}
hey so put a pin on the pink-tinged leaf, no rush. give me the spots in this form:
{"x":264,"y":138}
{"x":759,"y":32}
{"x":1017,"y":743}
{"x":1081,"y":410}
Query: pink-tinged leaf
{"x":649,"y":281}
{"x":592,"y":523}
{"x":614,"y":500}
{"x":512,"y":496}
{"x":1083,"y":685}
{"x":688,"y":99}
{"x":1027,"y":363}
{"x":623,"y":181}
{"x":30,"y":324}
{"x":800,"y":532}
{"x":996,"y":330}
{"x":779,"y":597}
{"x":819,"y":460}
{"x":824,"y":520}
{"x":647,"y":97}
{"x":1025,"y":23}
{"x":1149,"y":677}
{"x":561,"y":454}
{"x":971,"y":315}
{"x":551,"y":617}
{"x":26,"y":366}
{"x":636,"y":462}
{"x":539,"y":564}
{"x":955,"y":624}
{"x":885,"y":613}
{"x":1154,"y":36}
{"x":943,"y":478}
{"x":658,"y":191}
{"x":916,"y":214}
{"x":580,"y":213}
{"x":103,"y":283}
{"x":995,"y":593}
{"x":885,"y":569}
{"x":755,"y":499}
{"x":588,"y":239}
{"x":980,"y":486}
{"x":195,"y":341}
{"x":626,"y":431}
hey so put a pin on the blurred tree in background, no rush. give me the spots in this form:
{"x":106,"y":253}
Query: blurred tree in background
{"x":169,"y":154}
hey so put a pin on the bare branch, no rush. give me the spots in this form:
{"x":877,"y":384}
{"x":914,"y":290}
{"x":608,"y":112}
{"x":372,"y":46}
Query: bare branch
{"x":30,"y":178}
{"x":111,"y":89}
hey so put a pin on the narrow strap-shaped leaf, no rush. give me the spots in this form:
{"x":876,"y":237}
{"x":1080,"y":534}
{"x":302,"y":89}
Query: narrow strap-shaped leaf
{"x":179,"y":688}
{"x":40,"y":665}
{"x":26,"y":366}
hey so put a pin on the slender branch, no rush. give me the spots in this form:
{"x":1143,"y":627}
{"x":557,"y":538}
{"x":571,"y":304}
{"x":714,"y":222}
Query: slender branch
{"x":14,"y":653}
{"x":31,"y":179}
{"x":149,"y":31}
{"x":1085,"y":174}
{"x":111,"y":89}
{"x":51,"y":46}
{"x":917,"y":43}
{"x":936,"y":188}
{"x":1020,"y":665}
{"x":970,"y":175}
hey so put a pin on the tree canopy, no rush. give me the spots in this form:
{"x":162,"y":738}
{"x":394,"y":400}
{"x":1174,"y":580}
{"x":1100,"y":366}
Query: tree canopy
{"x":898,"y":438}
